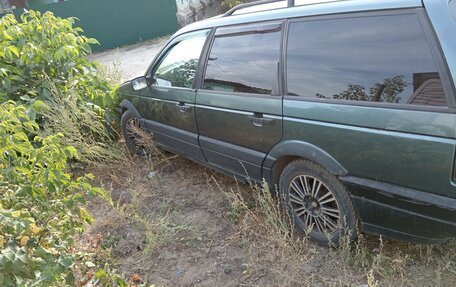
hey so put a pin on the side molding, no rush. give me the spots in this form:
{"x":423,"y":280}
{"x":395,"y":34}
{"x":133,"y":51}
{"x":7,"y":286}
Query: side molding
{"x":304,"y":150}
{"x":126,"y":105}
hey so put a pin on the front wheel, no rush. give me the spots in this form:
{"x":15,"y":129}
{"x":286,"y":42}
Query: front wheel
{"x":318,"y":203}
{"x":130,"y":126}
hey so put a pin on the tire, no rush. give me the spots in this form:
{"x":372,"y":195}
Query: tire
{"x":318,"y":203}
{"x":127,"y":121}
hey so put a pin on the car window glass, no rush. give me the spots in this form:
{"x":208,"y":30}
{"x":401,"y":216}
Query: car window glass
{"x":178,"y":67}
{"x":245,"y":63}
{"x":376,"y":59}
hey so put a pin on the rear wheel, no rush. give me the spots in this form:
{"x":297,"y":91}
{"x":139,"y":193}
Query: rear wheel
{"x":318,"y":203}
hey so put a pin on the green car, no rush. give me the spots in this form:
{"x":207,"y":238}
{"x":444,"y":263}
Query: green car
{"x":346,"y":108}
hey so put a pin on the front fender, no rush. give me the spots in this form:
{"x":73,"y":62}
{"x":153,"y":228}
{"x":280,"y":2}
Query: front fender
{"x":127,"y":105}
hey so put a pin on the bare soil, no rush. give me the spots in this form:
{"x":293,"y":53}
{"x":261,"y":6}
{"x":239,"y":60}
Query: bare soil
{"x":175,"y":223}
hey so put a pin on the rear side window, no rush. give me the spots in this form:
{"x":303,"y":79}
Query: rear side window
{"x":375,"y":59}
{"x":245,"y":63}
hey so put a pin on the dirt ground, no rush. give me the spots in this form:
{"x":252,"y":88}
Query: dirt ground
{"x":176,"y":223}
{"x":129,"y":61}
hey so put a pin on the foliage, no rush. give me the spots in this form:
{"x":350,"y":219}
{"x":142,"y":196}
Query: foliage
{"x":84,"y":128}
{"x":43,"y":58}
{"x":43,"y":51}
{"x":228,"y":4}
{"x":40,"y":204}
{"x":53,"y":108}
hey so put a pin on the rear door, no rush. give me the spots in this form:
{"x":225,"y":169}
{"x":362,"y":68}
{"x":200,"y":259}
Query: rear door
{"x":168,"y":105}
{"x":239,"y":105}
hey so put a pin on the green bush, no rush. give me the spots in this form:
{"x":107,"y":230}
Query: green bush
{"x":42,"y":52}
{"x":228,"y":4}
{"x":53,"y":106}
{"x":40,"y":203}
{"x":43,"y":58}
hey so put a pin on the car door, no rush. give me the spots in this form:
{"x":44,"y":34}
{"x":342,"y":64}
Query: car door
{"x":239,"y":104}
{"x":168,"y":103}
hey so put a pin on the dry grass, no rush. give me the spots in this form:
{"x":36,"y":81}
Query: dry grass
{"x":178,"y":224}
{"x":272,"y":246}
{"x":84,"y":128}
{"x":83,"y":125}
{"x":112,"y":74}
{"x":260,"y":211}
{"x":373,"y":260}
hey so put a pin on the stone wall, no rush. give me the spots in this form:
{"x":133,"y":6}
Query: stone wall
{"x":189,"y":11}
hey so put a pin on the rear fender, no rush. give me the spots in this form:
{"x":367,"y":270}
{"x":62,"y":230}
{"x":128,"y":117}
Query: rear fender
{"x":298,"y":149}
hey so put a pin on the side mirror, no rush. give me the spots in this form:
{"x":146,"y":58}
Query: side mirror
{"x":139,"y":83}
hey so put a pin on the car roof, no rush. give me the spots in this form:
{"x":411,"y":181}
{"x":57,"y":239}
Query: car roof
{"x":309,"y":8}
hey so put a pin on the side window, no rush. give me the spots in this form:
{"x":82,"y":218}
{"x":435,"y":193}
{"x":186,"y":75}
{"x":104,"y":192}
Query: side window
{"x":178,"y":67}
{"x":245,"y":63}
{"x":377,"y":59}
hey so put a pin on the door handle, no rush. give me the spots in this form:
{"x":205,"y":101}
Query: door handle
{"x":258,"y":120}
{"x":182,"y":107}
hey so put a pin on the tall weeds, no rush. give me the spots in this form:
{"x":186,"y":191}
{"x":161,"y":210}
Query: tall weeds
{"x":84,"y":128}
{"x":262,"y":215}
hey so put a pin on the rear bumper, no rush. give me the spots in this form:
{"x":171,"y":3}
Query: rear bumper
{"x":401,"y":213}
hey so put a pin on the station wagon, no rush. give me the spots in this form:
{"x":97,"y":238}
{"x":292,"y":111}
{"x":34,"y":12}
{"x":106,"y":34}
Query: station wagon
{"x":346,"y":109}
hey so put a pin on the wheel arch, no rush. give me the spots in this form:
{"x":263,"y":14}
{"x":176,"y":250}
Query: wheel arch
{"x":285,"y":152}
{"x":127,"y":105}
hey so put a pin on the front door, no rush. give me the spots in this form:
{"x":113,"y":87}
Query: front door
{"x":239,"y":104}
{"x":168,"y":105}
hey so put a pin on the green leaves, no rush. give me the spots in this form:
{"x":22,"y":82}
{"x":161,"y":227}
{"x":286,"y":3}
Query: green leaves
{"x":42,"y":62}
{"x":9,"y":51}
{"x":40,"y":203}
{"x":43,"y":66}
{"x":43,"y":48}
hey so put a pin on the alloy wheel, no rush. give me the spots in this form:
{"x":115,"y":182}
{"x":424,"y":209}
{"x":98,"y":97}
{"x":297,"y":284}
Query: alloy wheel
{"x":314,"y":204}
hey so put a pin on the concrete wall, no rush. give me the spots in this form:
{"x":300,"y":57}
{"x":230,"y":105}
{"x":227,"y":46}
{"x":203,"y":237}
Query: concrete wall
{"x":189,"y":11}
